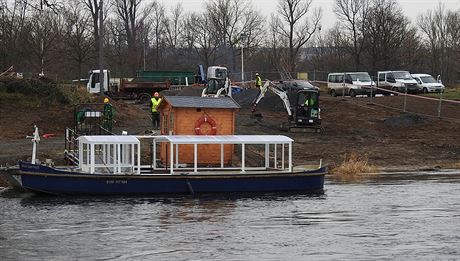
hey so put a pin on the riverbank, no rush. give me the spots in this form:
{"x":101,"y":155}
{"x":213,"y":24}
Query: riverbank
{"x":387,"y":137}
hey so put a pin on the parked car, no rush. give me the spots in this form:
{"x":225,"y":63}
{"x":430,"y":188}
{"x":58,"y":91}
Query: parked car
{"x":427,"y":83}
{"x":397,"y":81}
{"x":356,"y":83}
{"x":295,"y":85}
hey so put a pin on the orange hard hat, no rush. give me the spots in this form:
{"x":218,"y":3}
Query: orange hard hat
{"x":156,"y":94}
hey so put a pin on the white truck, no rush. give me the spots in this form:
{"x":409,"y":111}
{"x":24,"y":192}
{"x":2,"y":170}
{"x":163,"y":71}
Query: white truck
{"x":397,"y":81}
{"x":349,"y":83}
{"x":136,"y":89}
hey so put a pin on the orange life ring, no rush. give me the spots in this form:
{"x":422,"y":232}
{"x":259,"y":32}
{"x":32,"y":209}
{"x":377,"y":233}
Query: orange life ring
{"x":205,"y":119}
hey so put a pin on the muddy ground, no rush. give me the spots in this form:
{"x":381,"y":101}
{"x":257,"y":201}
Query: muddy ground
{"x":388,"y":137}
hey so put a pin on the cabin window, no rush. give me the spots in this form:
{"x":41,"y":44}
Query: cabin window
{"x":164,"y":124}
{"x":171,"y":121}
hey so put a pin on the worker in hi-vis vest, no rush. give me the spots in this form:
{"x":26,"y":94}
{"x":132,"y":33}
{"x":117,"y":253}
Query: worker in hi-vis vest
{"x":258,"y":81}
{"x":154,"y":102}
{"x":107,"y":123}
{"x":310,"y":101}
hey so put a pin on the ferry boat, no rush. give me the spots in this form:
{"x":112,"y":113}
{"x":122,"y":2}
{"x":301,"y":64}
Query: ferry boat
{"x":111,"y":165}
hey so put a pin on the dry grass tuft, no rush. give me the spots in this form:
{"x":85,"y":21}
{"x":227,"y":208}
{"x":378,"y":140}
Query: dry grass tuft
{"x":353,"y":167}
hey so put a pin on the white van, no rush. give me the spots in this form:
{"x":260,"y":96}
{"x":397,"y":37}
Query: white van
{"x":356,"y":83}
{"x":427,"y":83}
{"x":397,"y":81}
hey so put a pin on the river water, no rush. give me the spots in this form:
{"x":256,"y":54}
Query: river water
{"x":404,"y":216}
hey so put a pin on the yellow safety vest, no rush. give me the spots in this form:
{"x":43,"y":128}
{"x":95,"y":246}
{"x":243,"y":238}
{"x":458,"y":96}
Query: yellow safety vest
{"x":258,"y":81}
{"x":155,"y":104}
{"x":309,"y":102}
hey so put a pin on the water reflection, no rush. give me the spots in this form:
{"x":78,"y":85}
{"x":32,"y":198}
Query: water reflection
{"x":410,"y":215}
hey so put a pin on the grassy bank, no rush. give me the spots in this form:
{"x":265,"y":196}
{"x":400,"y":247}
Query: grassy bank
{"x":39,"y":92}
{"x":451,"y":93}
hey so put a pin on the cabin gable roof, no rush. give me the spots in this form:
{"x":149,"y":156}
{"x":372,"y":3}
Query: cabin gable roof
{"x":200,"y":102}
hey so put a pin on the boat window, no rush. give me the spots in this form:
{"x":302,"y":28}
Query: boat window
{"x":109,"y":154}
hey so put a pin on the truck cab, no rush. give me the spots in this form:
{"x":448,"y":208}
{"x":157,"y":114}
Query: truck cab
{"x":397,"y":81}
{"x":93,"y":85}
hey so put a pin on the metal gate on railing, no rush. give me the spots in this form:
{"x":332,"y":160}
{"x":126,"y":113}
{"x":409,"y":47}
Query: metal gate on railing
{"x":71,"y":146}
{"x":89,"y":119}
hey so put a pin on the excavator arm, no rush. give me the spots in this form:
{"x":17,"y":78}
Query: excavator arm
{"x":269,"y":85}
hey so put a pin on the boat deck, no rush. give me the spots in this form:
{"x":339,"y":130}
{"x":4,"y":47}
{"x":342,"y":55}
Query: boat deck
{"x":121,"y":154}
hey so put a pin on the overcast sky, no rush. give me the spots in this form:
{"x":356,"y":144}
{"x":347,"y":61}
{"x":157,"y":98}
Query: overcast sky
{"x":411,"y":8}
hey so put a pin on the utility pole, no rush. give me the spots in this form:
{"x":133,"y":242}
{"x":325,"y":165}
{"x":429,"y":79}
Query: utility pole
{"x":243,"y":39}
{"x":101,"y":56}
{"x":145,"y":42}
{"x":42,"y":54}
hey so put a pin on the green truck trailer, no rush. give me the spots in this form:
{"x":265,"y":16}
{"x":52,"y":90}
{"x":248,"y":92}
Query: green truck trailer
{"x":174,"y":77}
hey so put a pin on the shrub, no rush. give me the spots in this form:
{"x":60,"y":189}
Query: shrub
{"x":38,"y":91}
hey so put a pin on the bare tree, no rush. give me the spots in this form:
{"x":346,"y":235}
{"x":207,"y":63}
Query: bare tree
{"x":174,"y":26}
{"x":133,"y":18}
{"x":229,"y":19}
{"x":95,"y":10}
{"x":441,"y":31}
{"x":411,"y":50}
{"x":117,"y":48}
{"x":157,"y":30}
{"x":12,"y":17}
{"x":45,"y":29}
{"x":386,"y":29}
{"x":199,"y":36}
{"x":330,"y":54}
{"x":78,"y":40}
{"x":296,"y":27}
{"x":353,"y":14}
{"x":275,"y":43}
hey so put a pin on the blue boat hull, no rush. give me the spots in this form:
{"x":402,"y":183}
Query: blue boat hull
{"x":50,"y":180}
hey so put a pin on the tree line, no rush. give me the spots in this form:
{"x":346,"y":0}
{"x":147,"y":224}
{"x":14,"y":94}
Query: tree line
{"x":62,"y":37}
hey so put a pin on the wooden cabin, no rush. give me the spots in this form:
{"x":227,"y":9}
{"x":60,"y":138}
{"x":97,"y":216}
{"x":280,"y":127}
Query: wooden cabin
{"x":192,"y":115}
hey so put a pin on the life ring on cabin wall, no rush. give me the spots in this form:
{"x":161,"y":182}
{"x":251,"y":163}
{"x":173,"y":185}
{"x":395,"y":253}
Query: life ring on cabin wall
{"x":205,"y":119}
